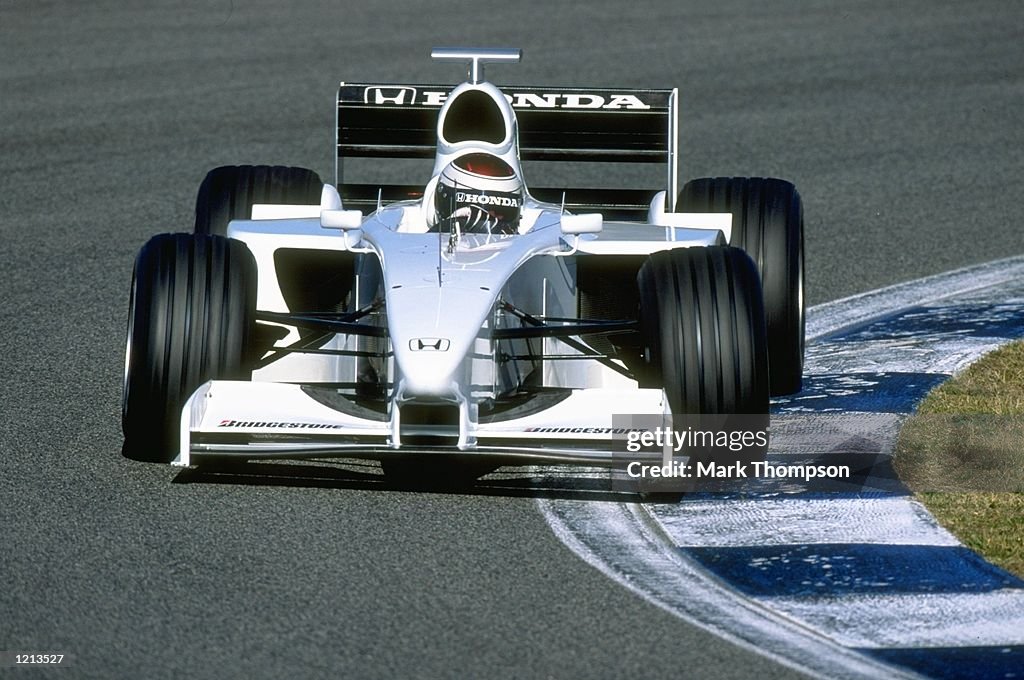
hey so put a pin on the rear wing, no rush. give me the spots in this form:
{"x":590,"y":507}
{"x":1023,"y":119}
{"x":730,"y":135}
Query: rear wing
{"x":555,"y":124}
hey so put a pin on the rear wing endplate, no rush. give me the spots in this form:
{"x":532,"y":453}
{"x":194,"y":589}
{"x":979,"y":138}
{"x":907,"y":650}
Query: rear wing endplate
{"x":555,"y":124}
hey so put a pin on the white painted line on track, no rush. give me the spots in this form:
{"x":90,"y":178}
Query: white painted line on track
{"x":622,"y":542}
{"x":946,"y":356}
{"x":807,"y":521}
{"x":842,"y":314}
{"x":663,"y":552}
{"x":878,"y":621}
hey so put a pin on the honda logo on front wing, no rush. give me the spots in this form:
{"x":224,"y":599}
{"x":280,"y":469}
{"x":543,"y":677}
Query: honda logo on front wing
{"x":429,"y":344}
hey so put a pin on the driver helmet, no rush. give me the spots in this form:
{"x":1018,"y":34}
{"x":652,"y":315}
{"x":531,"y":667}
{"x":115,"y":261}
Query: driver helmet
{"x":479,"y":193}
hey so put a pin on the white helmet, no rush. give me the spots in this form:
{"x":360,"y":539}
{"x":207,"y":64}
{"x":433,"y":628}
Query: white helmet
{"x":481,"y":192}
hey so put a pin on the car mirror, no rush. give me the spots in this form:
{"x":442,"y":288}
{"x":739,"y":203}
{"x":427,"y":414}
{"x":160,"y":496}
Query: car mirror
{"x":346,"y":220}
{"x":587,"y":223}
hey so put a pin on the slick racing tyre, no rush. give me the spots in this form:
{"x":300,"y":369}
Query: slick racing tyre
{"x":767,"y":222}
{"x":229,"y":192}
{"x":702,"y":330}
{"x":190,"y":319}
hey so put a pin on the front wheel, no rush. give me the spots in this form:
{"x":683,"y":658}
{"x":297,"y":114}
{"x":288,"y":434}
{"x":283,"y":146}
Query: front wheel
{"x":702,"y":330}
{"x":190,"y":319}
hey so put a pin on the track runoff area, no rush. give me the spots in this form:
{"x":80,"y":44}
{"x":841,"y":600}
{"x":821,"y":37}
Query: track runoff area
{"x":818,"y":557}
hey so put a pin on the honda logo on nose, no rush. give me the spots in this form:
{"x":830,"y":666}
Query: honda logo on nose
{"x":429,"y":344}
{"x":389,"y":95}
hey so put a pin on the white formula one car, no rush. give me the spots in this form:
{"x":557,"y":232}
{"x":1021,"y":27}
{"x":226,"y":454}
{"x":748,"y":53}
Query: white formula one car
{"x":471,"y":316}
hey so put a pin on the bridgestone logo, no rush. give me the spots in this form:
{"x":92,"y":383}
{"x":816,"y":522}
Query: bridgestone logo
{"x":483,"y":199}
{"x":277,"y":424}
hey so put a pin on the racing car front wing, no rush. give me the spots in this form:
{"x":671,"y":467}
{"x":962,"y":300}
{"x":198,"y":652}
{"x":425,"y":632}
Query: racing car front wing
{"x":283,"y":420}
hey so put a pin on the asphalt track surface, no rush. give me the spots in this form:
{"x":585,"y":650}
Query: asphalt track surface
{"x":900,"y":124}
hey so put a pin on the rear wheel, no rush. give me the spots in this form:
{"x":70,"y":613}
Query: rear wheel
{"x":190,"y":320}
{"x":702,"y":330}
{"x":767,"y":222}
{"x":229,"y":192}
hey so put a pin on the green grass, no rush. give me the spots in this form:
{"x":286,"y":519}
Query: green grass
{"x":962,"y":454}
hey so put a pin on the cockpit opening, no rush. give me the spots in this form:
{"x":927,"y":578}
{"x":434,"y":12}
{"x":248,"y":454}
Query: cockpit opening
{"x":474,"y":116}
